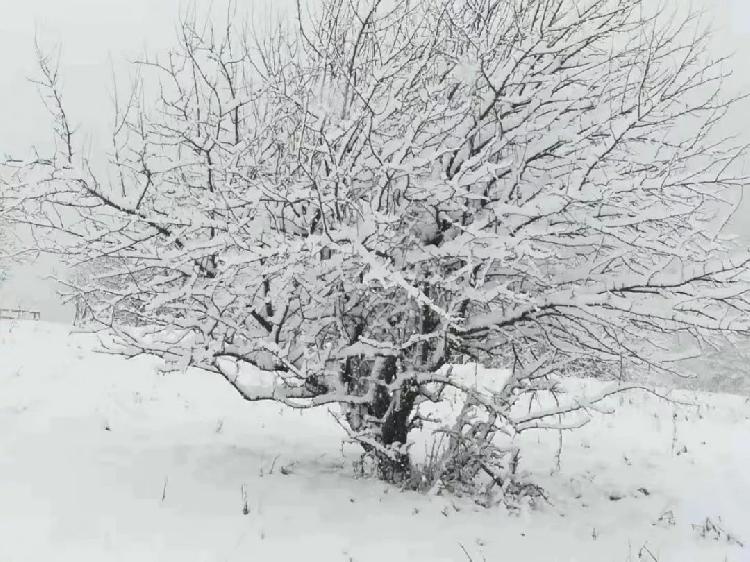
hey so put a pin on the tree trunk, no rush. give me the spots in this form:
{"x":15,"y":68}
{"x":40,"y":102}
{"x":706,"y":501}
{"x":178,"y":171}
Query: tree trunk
{"x":387,"y":417}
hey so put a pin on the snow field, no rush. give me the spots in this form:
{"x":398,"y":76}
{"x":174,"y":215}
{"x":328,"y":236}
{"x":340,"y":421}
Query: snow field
{"x":103,"y":458}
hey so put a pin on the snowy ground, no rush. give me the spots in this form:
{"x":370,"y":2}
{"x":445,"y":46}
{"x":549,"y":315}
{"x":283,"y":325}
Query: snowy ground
{"x":106,"y":459}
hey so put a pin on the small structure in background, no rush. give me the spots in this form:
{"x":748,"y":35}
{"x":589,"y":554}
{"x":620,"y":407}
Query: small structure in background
{"x":19,"y":314}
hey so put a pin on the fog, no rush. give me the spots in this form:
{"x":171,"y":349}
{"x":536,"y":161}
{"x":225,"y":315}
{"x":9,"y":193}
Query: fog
{"x":98,"y":37}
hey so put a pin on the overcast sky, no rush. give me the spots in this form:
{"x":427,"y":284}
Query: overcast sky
{"x":97,"y":35}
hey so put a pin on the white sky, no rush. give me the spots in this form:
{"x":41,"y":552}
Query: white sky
{"x":98,"y":34}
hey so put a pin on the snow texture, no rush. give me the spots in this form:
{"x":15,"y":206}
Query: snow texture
{"x":103,"y":458}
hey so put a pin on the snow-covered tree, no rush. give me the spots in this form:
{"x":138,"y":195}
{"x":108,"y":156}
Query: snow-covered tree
{"x":341,"y":212}
{"x":8,"y":243}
